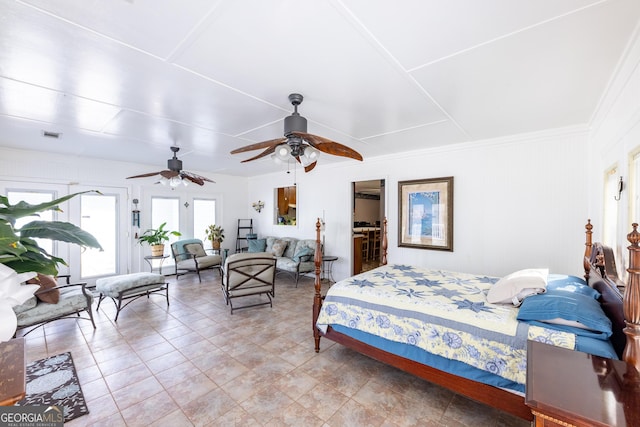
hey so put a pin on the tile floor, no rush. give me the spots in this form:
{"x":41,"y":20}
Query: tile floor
{"x":194,"y":364}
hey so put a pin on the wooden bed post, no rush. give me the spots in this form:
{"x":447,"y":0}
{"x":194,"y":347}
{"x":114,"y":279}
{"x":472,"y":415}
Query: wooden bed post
{"x":631,"y":301}
{"x":587,"y":250}
{"x":385,"y":242}
{"x":317,"y":299}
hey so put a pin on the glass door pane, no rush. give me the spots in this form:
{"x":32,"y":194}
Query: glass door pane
{"x":165,"y":210}
{"x":204,"y":215}
{"x":99,"y":216}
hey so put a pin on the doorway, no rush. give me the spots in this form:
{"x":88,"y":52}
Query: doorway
{"x":368,"y":210}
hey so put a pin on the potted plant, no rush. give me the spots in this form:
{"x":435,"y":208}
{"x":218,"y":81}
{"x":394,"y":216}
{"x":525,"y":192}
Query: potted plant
{"x":156,"y":237}
{"x":18,"y":248}
{"x":215,"y":233}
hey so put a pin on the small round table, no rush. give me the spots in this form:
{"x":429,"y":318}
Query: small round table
{"x":327,"y":268}
{"x":150,"y":258}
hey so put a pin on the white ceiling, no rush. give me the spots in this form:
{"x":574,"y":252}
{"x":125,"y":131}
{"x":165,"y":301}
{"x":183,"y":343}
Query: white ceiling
{"x":126,"y":79}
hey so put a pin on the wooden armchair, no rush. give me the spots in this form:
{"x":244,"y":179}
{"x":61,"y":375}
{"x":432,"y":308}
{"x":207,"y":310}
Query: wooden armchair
{"x":249,"y":274}
{"x":190,"y":257}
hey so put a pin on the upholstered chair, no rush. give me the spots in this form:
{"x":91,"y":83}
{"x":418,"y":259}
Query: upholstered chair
{"x":190,"y":257}
{"x":249,"y":274}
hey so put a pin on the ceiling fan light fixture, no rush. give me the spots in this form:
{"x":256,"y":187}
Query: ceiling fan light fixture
{"x":276,"y":160}
{"x":303,"y":147}
{"x":310,"y":158}
{"x":174,"y":175}
{"x":175,"y":181}
{"x":311,"y":154}
{"x":283,"y":152}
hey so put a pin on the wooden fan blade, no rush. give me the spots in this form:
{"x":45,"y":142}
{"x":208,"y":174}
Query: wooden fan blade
{"x":268,"y":151}
{"x":310,"y":167}
{"x":264,"y":144}
{"x":144,"y":175}
{"x":327,"y":146}
{"x":169,"y":174}
{"x":195,"y":178}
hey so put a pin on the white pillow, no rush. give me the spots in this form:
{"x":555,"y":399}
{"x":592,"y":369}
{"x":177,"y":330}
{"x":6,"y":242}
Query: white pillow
{"x":518,"y":285}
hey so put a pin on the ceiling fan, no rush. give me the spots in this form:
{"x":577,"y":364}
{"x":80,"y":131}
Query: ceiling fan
{"x":174,"y":175}
{"x":297,"y":143}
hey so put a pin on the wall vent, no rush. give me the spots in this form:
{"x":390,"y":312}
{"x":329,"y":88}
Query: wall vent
{"x":50,"y":134}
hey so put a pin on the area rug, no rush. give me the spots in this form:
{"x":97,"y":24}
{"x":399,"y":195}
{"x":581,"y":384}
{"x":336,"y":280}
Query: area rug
{"x":53,"y":381}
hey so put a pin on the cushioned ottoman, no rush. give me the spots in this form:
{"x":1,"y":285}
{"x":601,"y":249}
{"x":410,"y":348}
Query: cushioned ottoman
{"x":130,"y":286}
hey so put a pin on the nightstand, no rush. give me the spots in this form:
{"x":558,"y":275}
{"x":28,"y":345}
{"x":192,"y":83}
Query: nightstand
{"x":571,"y":388}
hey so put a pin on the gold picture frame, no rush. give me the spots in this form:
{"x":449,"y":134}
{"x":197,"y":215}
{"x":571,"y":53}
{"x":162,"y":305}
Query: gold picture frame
{"x":425,"y":212}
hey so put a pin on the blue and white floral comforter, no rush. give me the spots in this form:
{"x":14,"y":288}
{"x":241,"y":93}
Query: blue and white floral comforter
{"x":444,"y":313}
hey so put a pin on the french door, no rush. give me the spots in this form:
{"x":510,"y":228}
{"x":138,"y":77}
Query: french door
{"x":105,"y":216}
{"x":188,"y":213}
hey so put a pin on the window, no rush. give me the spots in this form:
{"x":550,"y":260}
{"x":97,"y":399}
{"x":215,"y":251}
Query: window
{"x":166,"y":209}
{"x":204,"y":214}
{"x":610,"y":230}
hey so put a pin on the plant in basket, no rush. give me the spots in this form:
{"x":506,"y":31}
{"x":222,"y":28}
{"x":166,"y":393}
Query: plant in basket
{"x":215,"y":233}
{"x":156,"y":238}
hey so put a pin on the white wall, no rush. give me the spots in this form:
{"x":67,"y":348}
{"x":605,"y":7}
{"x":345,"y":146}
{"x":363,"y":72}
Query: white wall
{"x":518,"y":203}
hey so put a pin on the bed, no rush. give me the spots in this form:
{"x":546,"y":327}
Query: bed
{"x":481,"y":374}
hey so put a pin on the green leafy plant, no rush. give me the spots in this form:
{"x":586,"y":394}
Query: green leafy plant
{"x":215,"y":233}
{"x":157,"y":236}
{"x":19,"y":250}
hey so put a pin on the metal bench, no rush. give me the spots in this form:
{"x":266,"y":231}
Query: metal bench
{"x":130,"y":287}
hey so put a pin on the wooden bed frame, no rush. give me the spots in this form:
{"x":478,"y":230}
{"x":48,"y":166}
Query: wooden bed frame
{"x":595,"y":258}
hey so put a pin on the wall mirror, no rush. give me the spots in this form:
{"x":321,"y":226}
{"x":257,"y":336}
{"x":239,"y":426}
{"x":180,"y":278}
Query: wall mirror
{"x":285,"y":202}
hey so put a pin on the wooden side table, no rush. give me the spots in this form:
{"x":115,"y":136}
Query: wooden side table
{"x":13,"y":384}
{"x":571,"y":388}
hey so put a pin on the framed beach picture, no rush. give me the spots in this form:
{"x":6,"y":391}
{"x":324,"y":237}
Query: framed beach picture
{"x":425,"y":213}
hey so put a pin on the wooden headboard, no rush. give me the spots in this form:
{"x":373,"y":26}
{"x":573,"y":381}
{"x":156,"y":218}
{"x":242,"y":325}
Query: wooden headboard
{"x":604,"y":282}
{"x":620,"y":301}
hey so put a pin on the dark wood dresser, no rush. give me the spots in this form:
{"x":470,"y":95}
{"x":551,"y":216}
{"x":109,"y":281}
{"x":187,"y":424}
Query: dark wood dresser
{"x":571,"y":388}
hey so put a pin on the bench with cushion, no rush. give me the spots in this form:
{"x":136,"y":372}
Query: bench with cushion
{"x":130,"y":287}
{"x":53,"y":301}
